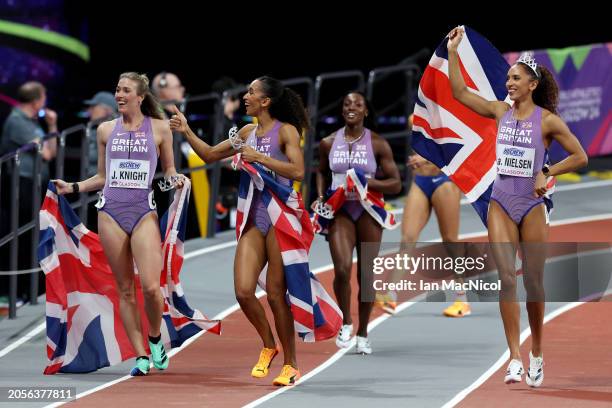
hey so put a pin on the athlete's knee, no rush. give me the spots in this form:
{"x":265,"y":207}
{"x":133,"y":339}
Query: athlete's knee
{"x":127,"y":293}
{"x":449,"y":238}
{"x":409,"y":236}
{"x":367,"y":293}
{"x":534,"y":288}
{"x":151,"y":291}
{"x":508,"y":281}
{"x":276,"y":298}
{"x":244,"y":295}
{"x":342,"y":274}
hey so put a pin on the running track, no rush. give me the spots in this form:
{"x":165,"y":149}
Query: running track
{"x":421,"y":359}
{"x":214,"y":371}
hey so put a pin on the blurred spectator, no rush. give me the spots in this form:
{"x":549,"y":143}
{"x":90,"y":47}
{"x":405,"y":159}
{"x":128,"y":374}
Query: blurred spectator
{"x":169,"y":90}
{"x":21,"y":128}
{"x":101,"y":107}
{"x":228,"y":192}
{"x":167,"y":87}
{"x":231,"y":102}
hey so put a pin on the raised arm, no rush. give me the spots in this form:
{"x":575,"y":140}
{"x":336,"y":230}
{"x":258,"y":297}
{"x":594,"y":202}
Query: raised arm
{"x":208,"y":153}
{"x":489,"y":109}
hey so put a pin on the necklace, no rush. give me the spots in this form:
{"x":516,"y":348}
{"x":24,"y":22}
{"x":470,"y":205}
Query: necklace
{"x":137,"y":127}
{"x":353,"y":141}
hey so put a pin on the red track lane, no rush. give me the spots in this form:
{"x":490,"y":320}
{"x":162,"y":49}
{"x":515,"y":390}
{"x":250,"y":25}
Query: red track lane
{"x":216,"y":369}
{"x":578,"y":356}
{"x":577,"y":365}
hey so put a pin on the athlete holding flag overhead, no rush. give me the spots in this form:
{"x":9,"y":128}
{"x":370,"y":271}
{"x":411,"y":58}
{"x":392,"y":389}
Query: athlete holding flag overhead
{"x":517,"y":213}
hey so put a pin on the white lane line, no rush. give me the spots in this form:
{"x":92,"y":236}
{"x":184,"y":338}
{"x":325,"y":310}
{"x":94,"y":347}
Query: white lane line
{"x":586,"y":184}
{"x":209,"y":249}
{"x":32,"y":333}
{"x":42,"y":325}
{"x":226,"y":312}
{"x":335,"y":357}
{"x":586,"y":218}
{"x":558,"y":189}
{"x":504,"y":357}
{"x":565,"y":221}
{"x":202,"y":251}
{"x":379,"y":320}
{"x":406,"y":305}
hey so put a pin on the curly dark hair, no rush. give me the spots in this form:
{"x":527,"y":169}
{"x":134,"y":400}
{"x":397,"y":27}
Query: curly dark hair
{"x":546,"y":94}
{"x":286,"y":105}
{"x":370,"y":121}
{"x":150,"y":105}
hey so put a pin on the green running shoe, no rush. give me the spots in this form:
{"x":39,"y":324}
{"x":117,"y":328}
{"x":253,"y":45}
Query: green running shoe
{"x":158,"y":353}
{"x":141,"y":368}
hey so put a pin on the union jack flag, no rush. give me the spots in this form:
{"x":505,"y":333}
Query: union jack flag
{"x":372,"y":201}
{"x":316,"y":316}
{"x":84,"y":328}
{"x":453,"y":137}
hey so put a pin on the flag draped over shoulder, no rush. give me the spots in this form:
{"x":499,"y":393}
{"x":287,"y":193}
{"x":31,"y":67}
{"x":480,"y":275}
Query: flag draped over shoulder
{"x":316,"y":315}
{"x":84,"y":328}
{"x":453,"y":137}
{"x":372,"y":201}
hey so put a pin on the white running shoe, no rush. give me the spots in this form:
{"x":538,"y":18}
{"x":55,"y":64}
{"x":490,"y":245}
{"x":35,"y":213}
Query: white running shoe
{"x":344,"y":336}
{"x":535,"y":374}
{"x":514,"y":372}
{"x":363,"y":345}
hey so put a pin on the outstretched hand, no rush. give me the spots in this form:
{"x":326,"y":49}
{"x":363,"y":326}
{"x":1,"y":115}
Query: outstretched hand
{"x":62,"y":187}
{"x":178,"y":121}
{"x":454,"y":38}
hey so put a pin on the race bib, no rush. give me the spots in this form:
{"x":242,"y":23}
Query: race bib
{"x":515,"y":160}
{"x":126,"y":173}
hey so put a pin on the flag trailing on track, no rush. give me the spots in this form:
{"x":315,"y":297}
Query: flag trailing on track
{"x":84,"y":328}
{"x":315,"y":313}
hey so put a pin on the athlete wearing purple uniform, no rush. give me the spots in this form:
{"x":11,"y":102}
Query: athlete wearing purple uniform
{"x":517,"y":213}
{"x":275,"y":144}
{"x":520,"y":150}
{"x":131,"y":157}
{"x":128,"y":148}
{"x":355,"y":146}
{"x":268,"y":145}
{"x":356,"y":154}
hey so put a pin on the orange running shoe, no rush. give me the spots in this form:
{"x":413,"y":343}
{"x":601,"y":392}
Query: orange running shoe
{"x":385,"y":302}
{"x":265,"y":360}
{"x":458,"y":309}
{"x":288,"y":376}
